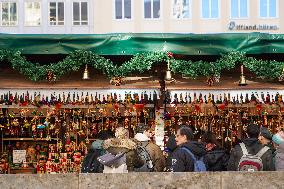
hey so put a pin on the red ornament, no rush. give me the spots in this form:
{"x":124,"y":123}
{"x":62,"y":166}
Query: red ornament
{"x":170,"y":54}
{"x":197,"y":108}
{"x":139,"y":106}
{"x":221,"y":106}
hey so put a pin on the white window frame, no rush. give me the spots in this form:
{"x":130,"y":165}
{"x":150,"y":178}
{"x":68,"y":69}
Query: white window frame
{"x":219,"y":11}
{"x":268,"y":11}
{"x":190,"y":11}
{"x":56,"y":22}
{"x":33,"y":1}
{"x":88,"y":9}
{"x":9,"y":15}
{"x":239,"y":11}
{"x":152,"y":10}
{"x":123,"y":16}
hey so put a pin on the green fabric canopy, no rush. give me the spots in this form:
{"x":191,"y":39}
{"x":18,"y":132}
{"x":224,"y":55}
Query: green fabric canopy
{"x":130,"y":43}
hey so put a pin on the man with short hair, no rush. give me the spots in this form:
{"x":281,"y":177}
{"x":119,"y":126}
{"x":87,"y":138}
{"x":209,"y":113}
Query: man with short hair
{"x":182,"y":160}
{"x":253,"y":147}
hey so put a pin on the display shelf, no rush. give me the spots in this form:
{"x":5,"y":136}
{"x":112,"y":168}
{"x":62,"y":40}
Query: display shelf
{"x":27,"y":139}
{"x":14,"y":106}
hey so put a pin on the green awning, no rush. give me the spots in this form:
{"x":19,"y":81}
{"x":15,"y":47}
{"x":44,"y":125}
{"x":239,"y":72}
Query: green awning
{"x":130,"y":43}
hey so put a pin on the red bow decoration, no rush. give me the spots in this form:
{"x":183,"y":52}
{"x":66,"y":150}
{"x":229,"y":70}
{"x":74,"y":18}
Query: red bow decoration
{"x":258,"y":107}
{"x":139,"y":106}
{"x":221,"y":106}
{"x":170,"y":54}
{"x":58,"y":105}
{"x":197,"y":108}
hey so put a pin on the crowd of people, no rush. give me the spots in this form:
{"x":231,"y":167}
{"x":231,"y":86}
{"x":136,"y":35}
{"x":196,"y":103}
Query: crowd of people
{"x":259,"y":151}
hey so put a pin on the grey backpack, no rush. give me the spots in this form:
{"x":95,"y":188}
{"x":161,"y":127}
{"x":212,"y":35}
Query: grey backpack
{"x":249,"y":162}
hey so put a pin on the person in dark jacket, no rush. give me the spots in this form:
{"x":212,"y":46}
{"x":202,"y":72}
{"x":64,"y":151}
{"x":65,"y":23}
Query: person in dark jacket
{"x":90,"y":163}
{"x":170,"y":148}
{"x":216,"y":158}
{"x":182,"y":161}
{"x":253,"y":146}
{"x":265,"y":138}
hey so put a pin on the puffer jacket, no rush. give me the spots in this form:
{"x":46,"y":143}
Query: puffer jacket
{"x":182,"y":160}
{"x":253,"y":146}
{"x":216,"y":159}
{"x":127,"y":146}
{"x":279,"y":158}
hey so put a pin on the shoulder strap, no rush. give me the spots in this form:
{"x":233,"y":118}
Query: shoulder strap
{"x":262,"y":151}
{"x":190,"y":153}
{"x":244,"y":149}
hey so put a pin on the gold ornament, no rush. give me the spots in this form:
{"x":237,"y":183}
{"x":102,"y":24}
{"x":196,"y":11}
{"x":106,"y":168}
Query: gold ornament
{"x":86,"y":73}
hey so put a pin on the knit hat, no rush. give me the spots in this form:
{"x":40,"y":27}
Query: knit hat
{"x":141,"y":127}
{"x":265,"y":133}
{"x":278,"y":138}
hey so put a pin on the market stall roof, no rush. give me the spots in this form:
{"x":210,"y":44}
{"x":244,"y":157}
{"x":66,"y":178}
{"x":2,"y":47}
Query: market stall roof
{"x":132,"y":43}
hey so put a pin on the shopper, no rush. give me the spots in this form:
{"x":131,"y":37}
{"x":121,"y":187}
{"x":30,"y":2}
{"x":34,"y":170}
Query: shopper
{"x":154,"y":161}
{"x":170,"y":148}
{"x":122,"y":144}
{"x":265,"y":138}
{"x":188,"y":156}
{"x":216,"y":158}
{"x":90,"y":163}
{"x":250,"y":155}
{"x":278,"y":140}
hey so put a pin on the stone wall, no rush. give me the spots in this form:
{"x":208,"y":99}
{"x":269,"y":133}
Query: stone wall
{"x":222,"y":180}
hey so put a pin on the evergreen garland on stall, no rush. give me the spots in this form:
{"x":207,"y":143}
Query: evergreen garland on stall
{"x":139,"y":63}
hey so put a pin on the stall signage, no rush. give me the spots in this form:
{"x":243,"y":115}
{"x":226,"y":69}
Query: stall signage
{"x":19,"y":156}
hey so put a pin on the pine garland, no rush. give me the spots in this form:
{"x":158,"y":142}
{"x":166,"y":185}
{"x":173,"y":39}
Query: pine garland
{"x":140,"y":63}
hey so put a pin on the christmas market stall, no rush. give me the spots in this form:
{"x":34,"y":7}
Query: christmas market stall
{"x":57,"y":95}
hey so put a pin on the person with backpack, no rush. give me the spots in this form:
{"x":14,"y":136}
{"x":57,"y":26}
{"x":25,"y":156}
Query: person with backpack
{"x":154,"y":161}
{"x":278,"y":140}
{"x":188,"y":156}
{"x":265,"y":138}
{"x":216,"y":158}
{"x":90,"y":163}
{"x":121,"y":147}
{"x":251,"y":155}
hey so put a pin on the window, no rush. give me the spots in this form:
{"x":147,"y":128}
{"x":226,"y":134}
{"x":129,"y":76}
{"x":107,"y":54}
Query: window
{"x":122,"y":9}
{"x":267,"y":8}
{"x":8,"y":12}
{"x":210,"y":8}
{"x":56,"y":13}
{"x":181,"y":9}
{"x":152,"y":8}
{"x":32,"y":13}
{"x":80,"y":13}
{"x":239,"y":8}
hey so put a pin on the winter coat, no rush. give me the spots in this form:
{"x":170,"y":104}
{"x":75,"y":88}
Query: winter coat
{"x":279,"y":158}
{"x":171,"y":146}
{"x":182,"y":160}
{"x":127,"y":146}
{"x":253,"y":146}
{"x":216,"y":159}
{"x":156,"y":155}
{"x":90,"y":163}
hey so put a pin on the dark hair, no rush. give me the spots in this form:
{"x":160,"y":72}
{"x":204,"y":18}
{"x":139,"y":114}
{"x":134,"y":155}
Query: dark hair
{"x":253,"y":131}
{"x":183,"y":130}
{"x":103,"y":135}
{"x":209,"y":137}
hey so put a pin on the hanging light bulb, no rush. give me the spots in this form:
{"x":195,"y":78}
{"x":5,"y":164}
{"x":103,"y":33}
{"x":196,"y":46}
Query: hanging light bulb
{"x":86,"y":73}
{"x":168,"y":76}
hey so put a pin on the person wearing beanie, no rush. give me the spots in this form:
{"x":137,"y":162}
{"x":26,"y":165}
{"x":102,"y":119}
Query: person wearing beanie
{"x":278,"y":140}
{"x":253,"y":146}
{"x":150,"y":152}
{"x":265,"y":138}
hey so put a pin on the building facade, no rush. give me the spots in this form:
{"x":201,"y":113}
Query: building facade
{"x":141,"y":16}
